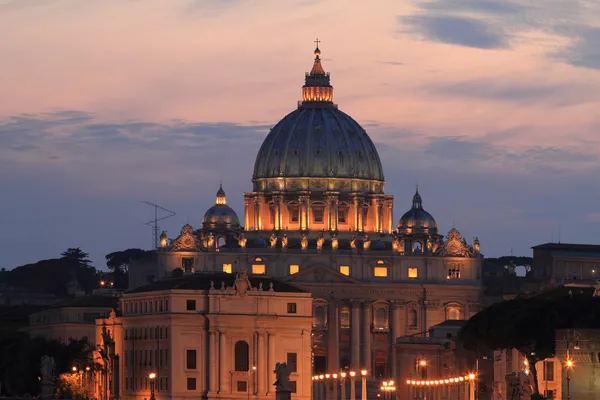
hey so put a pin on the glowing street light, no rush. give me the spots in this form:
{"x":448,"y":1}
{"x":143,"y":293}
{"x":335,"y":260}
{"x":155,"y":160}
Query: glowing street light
{"x":343,"y":385}
{"x":152,"y":376}
{"x":363,"y":392}
{"x":569,"y":365}
{"x":352,"y":385}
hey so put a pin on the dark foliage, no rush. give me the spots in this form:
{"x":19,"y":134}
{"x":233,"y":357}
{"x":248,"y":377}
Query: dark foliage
{"x":119,"y":262}
{"x":20,"y":358}
{"x":529,"y":324}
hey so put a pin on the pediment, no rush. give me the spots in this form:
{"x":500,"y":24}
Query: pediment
{"x":320,"y":274}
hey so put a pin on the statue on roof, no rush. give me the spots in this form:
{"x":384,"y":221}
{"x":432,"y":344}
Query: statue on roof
{"x":242,"y":240}
{"x":304,"y":241}
{"x":366,"y":242}
{"x":282,"y":376}
{"x":320,"y":241}
{"x":334,"y":241}
{"x":273,"y":240}
{"x":284,"y":242}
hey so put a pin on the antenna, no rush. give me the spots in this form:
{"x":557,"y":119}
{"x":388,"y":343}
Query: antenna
{"x":154,"y":222}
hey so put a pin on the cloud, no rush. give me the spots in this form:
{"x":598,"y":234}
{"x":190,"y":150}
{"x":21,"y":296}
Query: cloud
{"x":593,"y":217}
{"x":492,"y":24}
{"x":517,"y":90}
{"x":462,"y":31}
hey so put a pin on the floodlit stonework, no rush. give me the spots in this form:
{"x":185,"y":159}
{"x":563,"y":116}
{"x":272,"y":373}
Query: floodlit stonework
{"x":318,"y":218}
{"x":215,"y":336}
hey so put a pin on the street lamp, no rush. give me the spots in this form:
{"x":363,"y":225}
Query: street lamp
{"x":363,"y":373}
{"x":74,"y":369}
{"x":352,"y":385}
{"x":152,"y":376}
{"x":343,"y":381}
{"x":569,"y":366}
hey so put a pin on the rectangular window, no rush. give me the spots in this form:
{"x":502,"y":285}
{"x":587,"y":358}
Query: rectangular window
{"x":294,"y":269}
{"x":191,"y":305}
{"x":453,"y":272}
{"x":291,"y":308}
{"x":242,"y":386}
{"x":191,"y":383}
{"x":292,"y":361}
{"x":258,"y":269}
{"x":342,"y":213}
{"x":167,"y":305}
{"x":549,"y":371}
{"x":345,"y":270}
{"x":380,"y":272}
{"x":318,"y":215}
{"x":549,"y":394}
{"x":187,"y":263}
{"x":294,"y":214}
{"x":413,"y":273}
{"x":293,"y":386}
{"x":190,"y":359}
{"x":227,"y":268}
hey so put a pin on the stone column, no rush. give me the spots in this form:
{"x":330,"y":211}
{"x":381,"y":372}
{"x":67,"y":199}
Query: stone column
{"x":223,"y":364}
{"x":214,"y":361}
{"x":355,"y":324}
{"x":394,"y":334}
{"x":256,"y":213}
{"x":277,"y":205}
{"x":270,"y":367}
{"x":247,"y":211}
{"x":261,"y":372}
{"x":333,"y":337}
{"x":380,"y":219}
{"x":304,"y":200}
{"x":366,"y":336}
{"x":333,"y":203}
{"x":390,"y":216}
{"x":355,"y":204}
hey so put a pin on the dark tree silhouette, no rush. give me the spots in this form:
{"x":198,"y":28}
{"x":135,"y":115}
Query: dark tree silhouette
{"x":529,"y":324}
{"x":76,"y":254}
{"x":119,"y":262}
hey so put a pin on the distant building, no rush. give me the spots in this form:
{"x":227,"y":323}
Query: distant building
{"x":563,"y":262}
{"x":74,"y":318}
{"x":213,"y":336}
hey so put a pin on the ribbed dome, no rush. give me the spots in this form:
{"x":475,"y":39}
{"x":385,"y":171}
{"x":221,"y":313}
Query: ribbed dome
{"x":318,"y":142}
{"x":220,"y":216}
{"x":417,"y":220}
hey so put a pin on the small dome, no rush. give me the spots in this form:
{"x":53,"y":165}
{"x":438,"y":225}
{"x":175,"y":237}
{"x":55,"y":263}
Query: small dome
{"x":220,"y":216}
{"x":417,"y":220}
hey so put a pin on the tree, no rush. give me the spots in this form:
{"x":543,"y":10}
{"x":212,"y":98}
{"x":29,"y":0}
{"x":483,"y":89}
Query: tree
{"x":119,"y":262}
{"x":76,"y":254}
{"x":529,"y":325}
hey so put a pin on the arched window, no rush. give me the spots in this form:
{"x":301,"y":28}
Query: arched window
{"x":242,"y":359}
{"x":380,"y":318}
{"x":220,"y":242}
{"x":345,"y":317}
{"x":412,"y":318}
{"x":452,"y":313}
{"x":319,"y":316}
{"x":417,"y":247}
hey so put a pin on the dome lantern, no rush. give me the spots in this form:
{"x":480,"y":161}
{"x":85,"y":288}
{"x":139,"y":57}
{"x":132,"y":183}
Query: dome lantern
{"x":221,"y":198}
{"x":317,"y":90}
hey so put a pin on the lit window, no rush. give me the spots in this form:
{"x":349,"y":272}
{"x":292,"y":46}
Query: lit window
{"x":453,"y":313}
{"x":345,"y":317}
{"x":345,"y":270}
{"x":227,"y":268}
{"x":380,"y":271}
{"x":258,"y":269}
{"x":294,"y":269}
{"x":413,"y":273}
{"x":380,"y":262}
{"x":258,"y":259}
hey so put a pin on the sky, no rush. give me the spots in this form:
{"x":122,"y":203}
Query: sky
{"x":490,"y":106}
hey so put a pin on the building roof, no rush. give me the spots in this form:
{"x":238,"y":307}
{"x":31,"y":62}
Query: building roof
{"x":202,"y":281}
{"x":568,"y":247}
{"x":88,"y":301}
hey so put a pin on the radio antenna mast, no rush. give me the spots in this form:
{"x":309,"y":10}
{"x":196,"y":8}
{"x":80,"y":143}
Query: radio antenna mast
{"x":154,"y":223}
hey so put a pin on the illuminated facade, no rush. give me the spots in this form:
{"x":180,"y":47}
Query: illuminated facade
{"x":211,"y":336}
{"x":318,"y":218}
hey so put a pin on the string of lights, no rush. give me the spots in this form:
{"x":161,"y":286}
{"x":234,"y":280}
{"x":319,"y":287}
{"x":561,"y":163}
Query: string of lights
{"x":441,"y":382}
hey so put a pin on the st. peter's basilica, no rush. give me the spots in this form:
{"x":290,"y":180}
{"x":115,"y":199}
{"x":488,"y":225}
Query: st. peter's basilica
{"x":318,"y":218}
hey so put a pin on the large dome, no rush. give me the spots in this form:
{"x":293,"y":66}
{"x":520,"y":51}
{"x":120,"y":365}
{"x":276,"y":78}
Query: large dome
{"x":317,"y":144}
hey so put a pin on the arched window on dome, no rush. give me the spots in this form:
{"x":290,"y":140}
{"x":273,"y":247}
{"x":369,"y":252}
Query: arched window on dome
{"x":220,"y":242}
{"x":417,"y":247}
{"x":412,"y":318}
